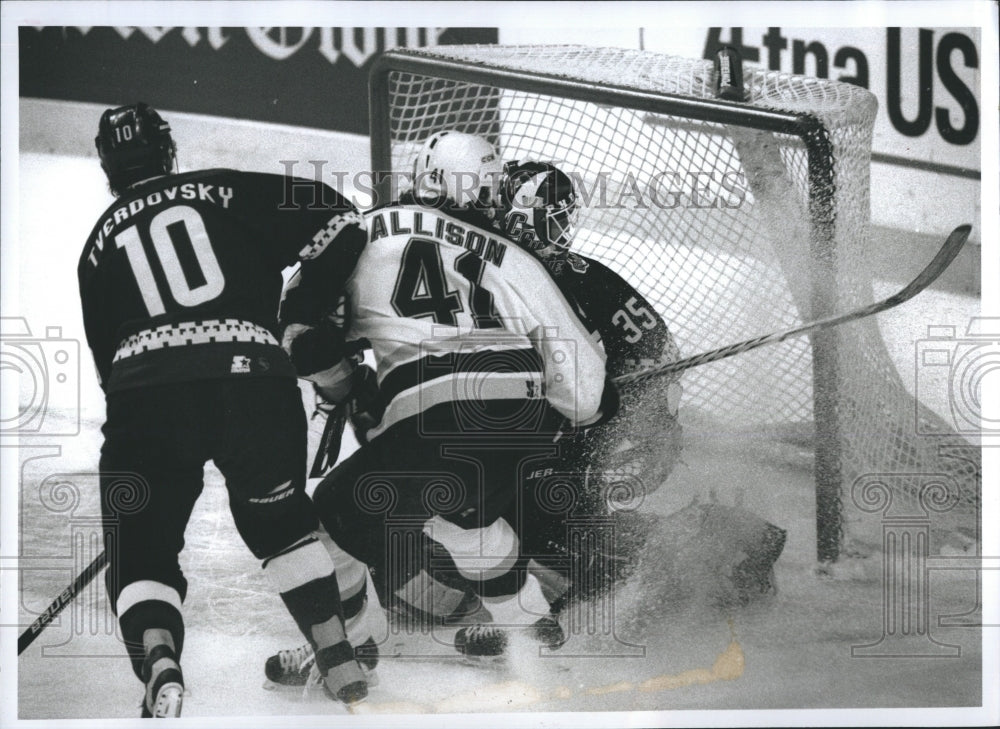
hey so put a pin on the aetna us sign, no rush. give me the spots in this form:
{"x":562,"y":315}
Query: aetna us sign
{"x":313,"y":77}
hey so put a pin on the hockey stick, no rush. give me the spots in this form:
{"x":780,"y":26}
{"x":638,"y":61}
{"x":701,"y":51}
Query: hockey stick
{"x":935,"y":268}
{"x":59,"y":604}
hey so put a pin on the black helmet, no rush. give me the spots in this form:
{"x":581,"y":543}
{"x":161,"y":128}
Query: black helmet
{"x":540,"y":197}
{"x":134,"y":143}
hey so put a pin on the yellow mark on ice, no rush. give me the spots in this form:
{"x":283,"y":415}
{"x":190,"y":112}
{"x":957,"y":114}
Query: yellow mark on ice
{"x":390,"y":707}
{"x":728,"y":666}
{"x":506,"y":695}
{"x":612,"y":688}
{"x":561,"y":693}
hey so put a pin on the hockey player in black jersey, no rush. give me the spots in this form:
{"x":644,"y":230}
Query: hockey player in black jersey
{"x":180,"y":282}
{"x":616,"y":465}
{"x":628,"y":457}
{"x":480,"y":359}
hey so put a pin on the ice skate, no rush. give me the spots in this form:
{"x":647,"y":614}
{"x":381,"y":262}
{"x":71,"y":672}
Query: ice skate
{"x":164,"y":685}
{"x":294,"y":667}
{"x":289,"y":668}
{"x":484,"y":641}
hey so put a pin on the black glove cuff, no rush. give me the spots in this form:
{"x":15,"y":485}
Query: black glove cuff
{"x":317,"y":349}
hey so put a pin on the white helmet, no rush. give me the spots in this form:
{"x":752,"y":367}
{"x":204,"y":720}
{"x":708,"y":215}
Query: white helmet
{"x":463,"y":168}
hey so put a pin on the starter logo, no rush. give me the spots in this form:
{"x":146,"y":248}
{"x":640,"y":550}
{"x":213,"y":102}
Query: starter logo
{"x":241,"y":365}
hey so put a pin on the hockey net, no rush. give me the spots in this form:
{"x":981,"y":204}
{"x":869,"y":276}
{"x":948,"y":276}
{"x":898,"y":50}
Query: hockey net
{"x":735,"y":220}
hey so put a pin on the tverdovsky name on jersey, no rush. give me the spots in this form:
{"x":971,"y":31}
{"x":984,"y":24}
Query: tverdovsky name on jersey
{"x":216,"y":194}
{"x":438,"y":227}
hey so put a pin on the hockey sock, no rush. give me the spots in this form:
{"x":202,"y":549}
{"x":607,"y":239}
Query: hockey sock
{"x":352,"y":575}
{"x":555,"y":584}
{"x":146,"y":606}
{"x":522,"y":608}
{"x":305,"y":578}
{"x":438,"y":594}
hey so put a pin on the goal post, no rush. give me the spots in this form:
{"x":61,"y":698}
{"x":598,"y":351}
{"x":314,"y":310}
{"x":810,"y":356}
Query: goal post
{"x":782,"y":241}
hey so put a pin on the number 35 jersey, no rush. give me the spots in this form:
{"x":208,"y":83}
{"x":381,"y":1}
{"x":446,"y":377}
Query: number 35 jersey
{"x":455,"y":312}
{"x":181,"y":277}
{"x":635,"y":336}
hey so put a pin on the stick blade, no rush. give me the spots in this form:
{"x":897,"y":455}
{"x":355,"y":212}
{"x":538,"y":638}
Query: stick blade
{"x":942,"y":259}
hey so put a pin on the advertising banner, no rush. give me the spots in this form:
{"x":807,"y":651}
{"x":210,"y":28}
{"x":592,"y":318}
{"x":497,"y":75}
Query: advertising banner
{"x":314,"y":77}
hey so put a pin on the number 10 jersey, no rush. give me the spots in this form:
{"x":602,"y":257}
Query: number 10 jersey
{"x":181,"y":277}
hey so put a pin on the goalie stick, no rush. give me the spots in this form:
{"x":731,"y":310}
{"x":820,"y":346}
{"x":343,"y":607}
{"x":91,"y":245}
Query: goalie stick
{"x":952,"y":245}
{"x":59,"y":604}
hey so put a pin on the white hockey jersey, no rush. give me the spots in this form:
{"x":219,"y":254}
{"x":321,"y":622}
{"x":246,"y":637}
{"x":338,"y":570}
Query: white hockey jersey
{"x":453,"y":311}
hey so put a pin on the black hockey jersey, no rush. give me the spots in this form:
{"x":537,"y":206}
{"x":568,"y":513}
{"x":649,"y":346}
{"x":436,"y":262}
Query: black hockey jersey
{"x":634,"y":335}
{"x":181,"y":277}
{"x":644,"y":440}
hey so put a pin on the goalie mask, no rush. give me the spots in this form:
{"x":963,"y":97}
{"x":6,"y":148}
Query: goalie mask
{"x":134,"y":143}
{"x":462,"y":168}
{"x":539,"y":207}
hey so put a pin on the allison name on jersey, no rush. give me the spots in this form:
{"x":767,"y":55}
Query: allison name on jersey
{"x":440,"y":227}
{"x":453,"y":313}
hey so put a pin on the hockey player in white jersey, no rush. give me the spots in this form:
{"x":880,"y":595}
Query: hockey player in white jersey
{"x":481,"y":363}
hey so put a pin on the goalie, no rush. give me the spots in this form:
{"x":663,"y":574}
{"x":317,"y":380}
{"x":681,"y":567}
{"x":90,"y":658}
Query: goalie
{"x":613,"y":467}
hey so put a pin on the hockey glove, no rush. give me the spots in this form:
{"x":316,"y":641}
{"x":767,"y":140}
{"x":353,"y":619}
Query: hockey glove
{"x":607,"y":409}
{"x":313,"y":349}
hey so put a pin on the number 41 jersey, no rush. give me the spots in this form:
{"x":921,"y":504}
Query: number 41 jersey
{"x":455,"y":312}
{"x":181,"y":277}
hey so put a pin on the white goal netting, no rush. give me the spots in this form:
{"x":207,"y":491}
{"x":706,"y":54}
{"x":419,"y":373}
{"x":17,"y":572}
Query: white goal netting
{"x":733,"y":227}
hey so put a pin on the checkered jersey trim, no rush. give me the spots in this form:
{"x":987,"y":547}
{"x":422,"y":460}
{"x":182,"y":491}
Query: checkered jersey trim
{"x":327,"y":235}
{"x":188,"y":333}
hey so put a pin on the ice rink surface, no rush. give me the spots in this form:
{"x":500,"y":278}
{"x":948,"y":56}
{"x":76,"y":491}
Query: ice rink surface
{"x":665,"y":652}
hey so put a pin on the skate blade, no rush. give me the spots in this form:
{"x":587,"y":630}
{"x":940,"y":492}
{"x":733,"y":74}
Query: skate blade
{"x":270,"y":685}
{"x":487,"y":663}
{"x":316,"y":691}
